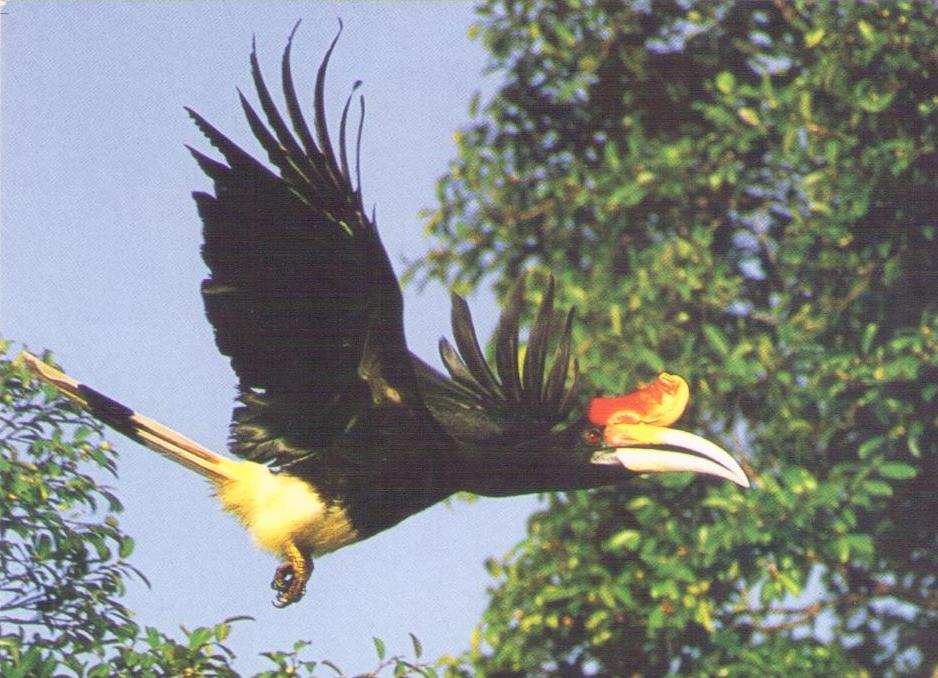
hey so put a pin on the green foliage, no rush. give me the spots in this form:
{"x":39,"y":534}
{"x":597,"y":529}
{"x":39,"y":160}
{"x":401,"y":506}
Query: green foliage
{"x":61,"y":549}
{"x":743,"y":194}
{"x":63,"y":560}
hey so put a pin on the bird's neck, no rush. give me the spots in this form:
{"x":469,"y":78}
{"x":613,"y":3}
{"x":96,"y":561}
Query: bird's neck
{"x":510,"y":470}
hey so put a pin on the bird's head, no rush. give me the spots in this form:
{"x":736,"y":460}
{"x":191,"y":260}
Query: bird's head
{"x":513,"y":416}
{"x":634,"y":431}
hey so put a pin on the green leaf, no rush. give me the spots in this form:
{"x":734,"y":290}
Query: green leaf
{"x":717,"y":340}
{"x":861,"y":545}
{"x":872,"y":99}
{"x":877,"y":488}
{"x":813,"y":38}
{"x":749,"y":116}
{"x":869,"y":332}
{"x":326,"y":662}
{"x":624,"y":539}
{"x":43,"y":546}
{"x":221,"y":631}
{"x":126,"y":547}
{"x":418,"y":648}
{"x":896,"y":470}
{"x":565,"y":34}
{"x":799,"y":480}
{"x":870,"y":445}
{"x":379,"y":648}
{"x":726,"y":82}
{"x":627,"y":195}
{"x":104,"y":553}
{"x":199,"y":637}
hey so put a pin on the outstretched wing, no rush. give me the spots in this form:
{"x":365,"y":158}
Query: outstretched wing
{"x":517,"y":400}
{"x":301,"y":293}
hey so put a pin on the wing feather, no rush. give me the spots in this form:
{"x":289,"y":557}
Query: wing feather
{"x":506,"y":341}
{"x":470,"y":351}
{"x":293,"y":106}
{"x":477,"y":405}
{"x":319,"y":121}
{"x":536,"y":352}
{"x":301,"y":293}
{"x":554,"y":388}
{"x":284,"y":137}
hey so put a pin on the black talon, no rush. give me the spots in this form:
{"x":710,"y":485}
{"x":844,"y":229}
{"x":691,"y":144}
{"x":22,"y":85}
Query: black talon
{"x":291,"y":576}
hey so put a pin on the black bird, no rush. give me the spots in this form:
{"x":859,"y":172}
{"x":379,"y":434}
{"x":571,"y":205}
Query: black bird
{"x":342,"y":431}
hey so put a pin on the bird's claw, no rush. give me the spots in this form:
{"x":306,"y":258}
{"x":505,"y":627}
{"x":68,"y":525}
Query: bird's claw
{"x":282,"y":577}
{"x":289,"y":595}
{"x":290,"y":578}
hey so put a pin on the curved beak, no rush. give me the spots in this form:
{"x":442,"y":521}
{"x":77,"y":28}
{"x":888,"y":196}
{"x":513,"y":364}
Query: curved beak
{"x":631,"y":446}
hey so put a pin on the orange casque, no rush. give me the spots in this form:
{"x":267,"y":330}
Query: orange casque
{"x":660,"y":403}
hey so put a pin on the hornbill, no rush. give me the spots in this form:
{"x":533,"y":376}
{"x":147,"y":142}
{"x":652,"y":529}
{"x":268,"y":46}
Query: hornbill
{"x":341,"y":431}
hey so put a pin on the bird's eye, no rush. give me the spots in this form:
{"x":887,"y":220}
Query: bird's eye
{"x":592,"y":436}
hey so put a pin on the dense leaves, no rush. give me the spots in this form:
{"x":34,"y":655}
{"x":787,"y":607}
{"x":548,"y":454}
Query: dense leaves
{"x":60,"y":546}
{"x":743,"y":193}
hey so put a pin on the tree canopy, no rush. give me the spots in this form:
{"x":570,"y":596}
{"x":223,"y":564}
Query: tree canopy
{"x":742,"y":193}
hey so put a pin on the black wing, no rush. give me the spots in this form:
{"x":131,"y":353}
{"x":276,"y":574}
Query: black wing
{"x":514,"y":402}
{"x":301,"y":293}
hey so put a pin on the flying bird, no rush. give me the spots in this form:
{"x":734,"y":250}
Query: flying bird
{"x":341,"y":431}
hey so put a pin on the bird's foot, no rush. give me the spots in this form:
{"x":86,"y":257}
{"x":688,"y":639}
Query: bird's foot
{"x":291,"y":576}
{"x":282,"y":576}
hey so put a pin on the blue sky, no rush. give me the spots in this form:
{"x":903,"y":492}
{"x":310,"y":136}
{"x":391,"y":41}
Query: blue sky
{"x":100,"y":264}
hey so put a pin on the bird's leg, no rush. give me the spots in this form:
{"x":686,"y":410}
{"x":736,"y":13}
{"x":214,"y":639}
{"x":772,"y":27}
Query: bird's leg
{"x":291,"y":576}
